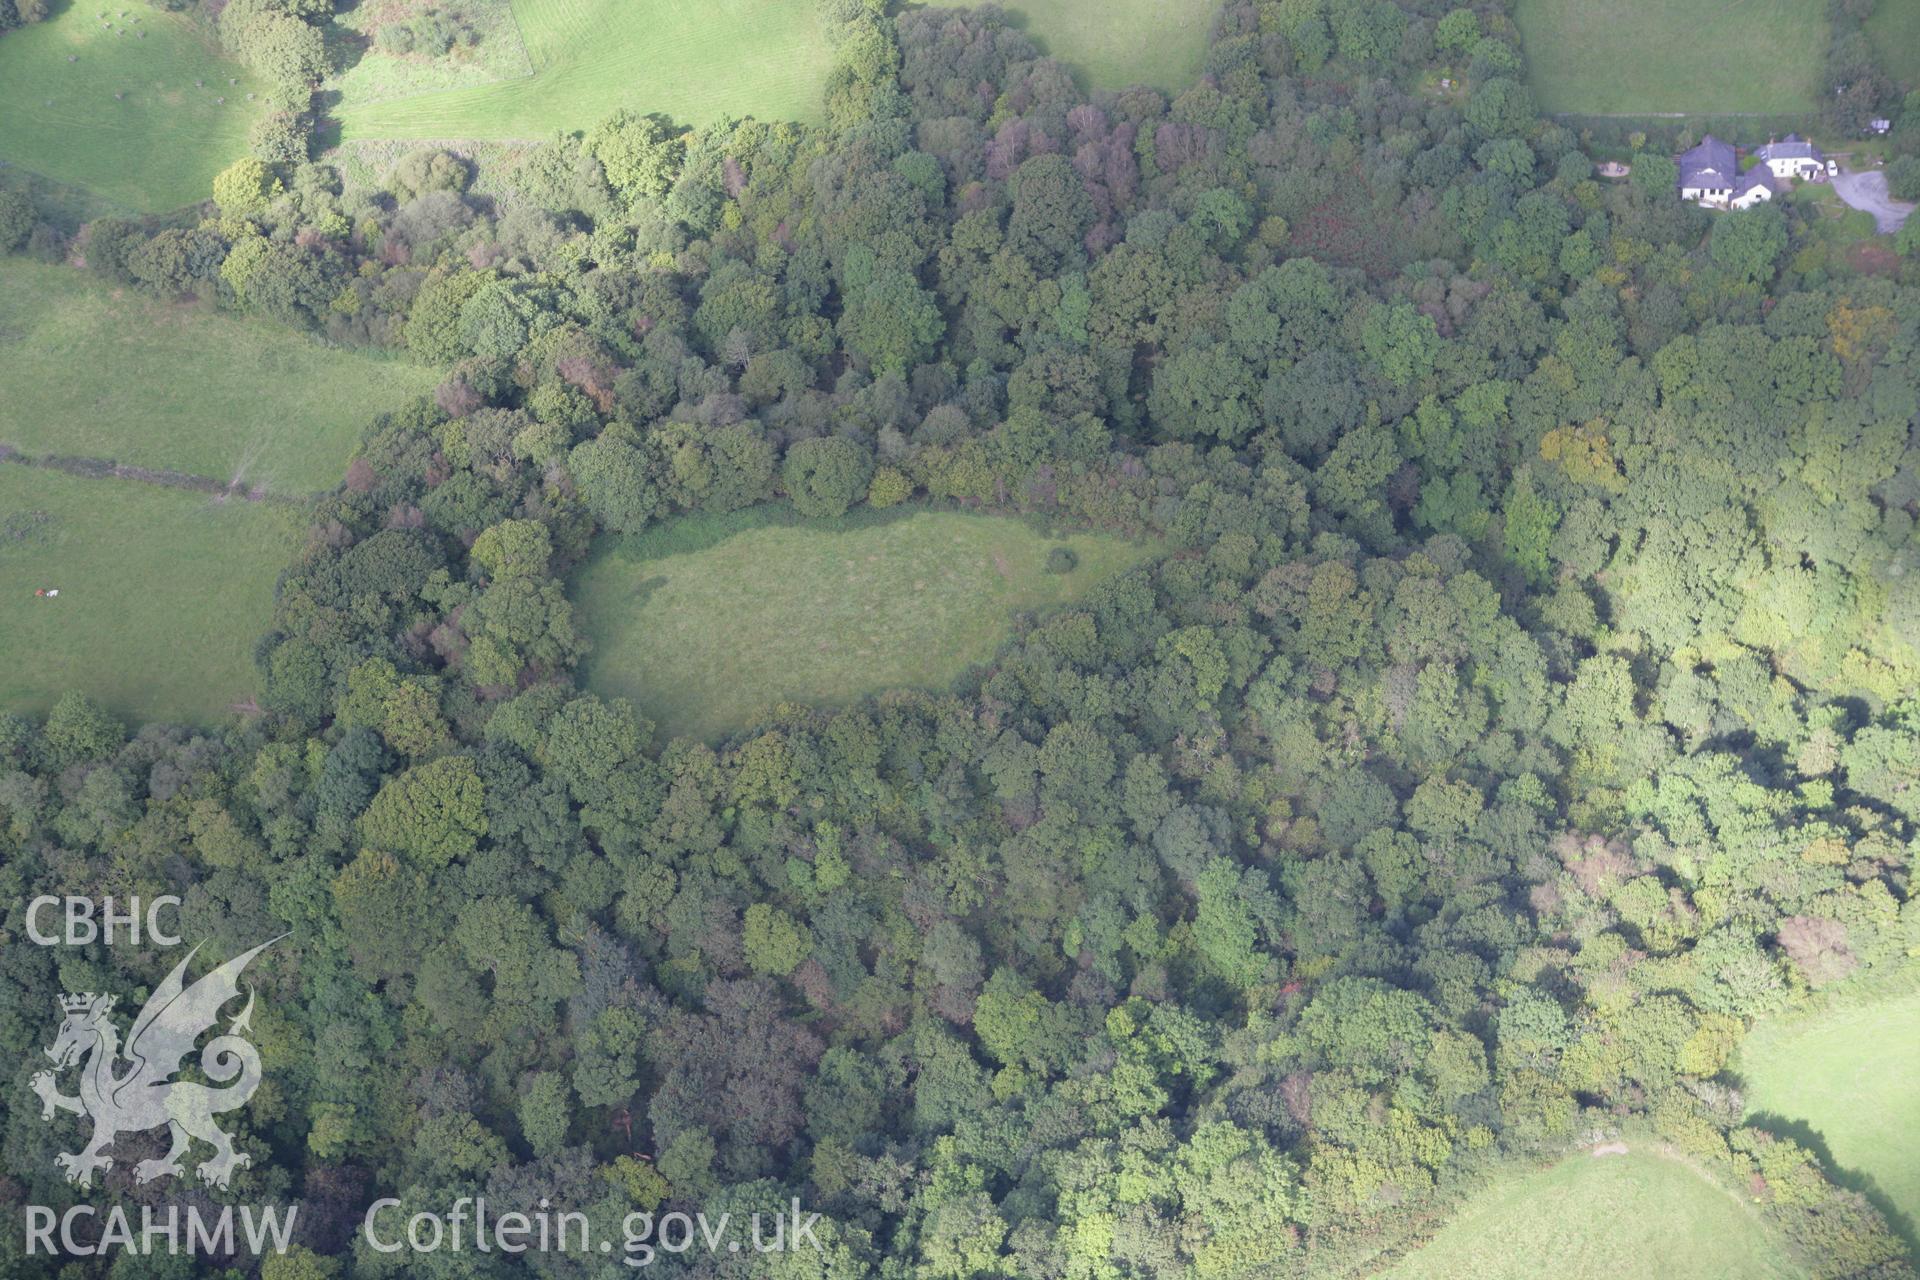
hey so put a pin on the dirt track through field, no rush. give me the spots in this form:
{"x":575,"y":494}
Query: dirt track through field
{"x":108,"y":469}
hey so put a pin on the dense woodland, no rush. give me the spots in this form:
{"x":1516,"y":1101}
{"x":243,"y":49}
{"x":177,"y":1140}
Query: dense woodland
{"x":1526,"y":706}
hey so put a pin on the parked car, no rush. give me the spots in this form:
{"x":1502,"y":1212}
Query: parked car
{"x":1833,"y":168}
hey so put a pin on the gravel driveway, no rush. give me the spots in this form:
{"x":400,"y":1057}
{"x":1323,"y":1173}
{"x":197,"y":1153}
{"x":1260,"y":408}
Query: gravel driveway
{"x":1869,"y":191}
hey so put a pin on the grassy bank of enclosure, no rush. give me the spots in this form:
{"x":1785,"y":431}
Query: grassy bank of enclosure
{"x":1620,"y":1217}
{"x":1837,"y":1077}
{"x":703,"y":638}
{"x":110,"y":373}
{"x":696,"y":60}
{"x":1606,"y":57}
{"x":1842,"y":1076}
{"x":162,"y":594}
{"x":126,"y":99}
{"x":693,"y":60}
{"x":492,"y":51}
{"x":1116,"y":43}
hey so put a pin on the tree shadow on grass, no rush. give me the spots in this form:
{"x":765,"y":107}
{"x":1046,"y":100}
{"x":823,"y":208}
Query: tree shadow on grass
{"x":698,"y":531}
{"x":326,"y":125}
{"x":1851,"y":1179}
{"x":643,"y":591}
{"x":345,"y":46}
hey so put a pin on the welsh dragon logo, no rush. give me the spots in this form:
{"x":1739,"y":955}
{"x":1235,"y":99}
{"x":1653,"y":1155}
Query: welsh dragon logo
{"x":141,"y":1094}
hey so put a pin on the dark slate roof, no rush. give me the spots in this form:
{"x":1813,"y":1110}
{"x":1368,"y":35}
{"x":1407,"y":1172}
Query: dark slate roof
{"x":1791,"y":147}
{"x":1758,"y":176}
{"x":1711,"y":164}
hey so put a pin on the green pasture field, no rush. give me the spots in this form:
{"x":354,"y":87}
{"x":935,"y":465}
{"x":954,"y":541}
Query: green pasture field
{"x":1622,"y":1217}
{"x":1845,"y":1070}
{"x":694,"y":60}
{"x":703,"y":638}
{"x":100,"y":372}
{"x":1641,"y":57}
{"x":154,"y":149}
{"x":1894,"y":29}
{"x":162,"y":594}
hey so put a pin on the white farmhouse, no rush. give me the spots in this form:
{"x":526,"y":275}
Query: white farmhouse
{"x":1792,"y":157}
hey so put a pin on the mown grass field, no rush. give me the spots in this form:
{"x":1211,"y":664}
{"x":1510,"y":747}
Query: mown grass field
{"x":694,"y":60}
{"x":1116,"y":43}
{"x":162,"y":594}
{"x":704,"y":639}
{"x":1847,"y":1072}
{"x":153,"y":149}
{"x":101,"y":372}
{"x":1624,"y":1217}
{"x":1640,"y":57}
{"x":1894,"y":29}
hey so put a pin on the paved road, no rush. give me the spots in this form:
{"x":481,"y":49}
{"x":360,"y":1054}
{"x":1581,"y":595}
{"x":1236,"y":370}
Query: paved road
{"x":1869,"y":191}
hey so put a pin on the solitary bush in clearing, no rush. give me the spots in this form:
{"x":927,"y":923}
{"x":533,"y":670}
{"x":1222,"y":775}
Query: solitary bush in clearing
{"x":428,"y":169}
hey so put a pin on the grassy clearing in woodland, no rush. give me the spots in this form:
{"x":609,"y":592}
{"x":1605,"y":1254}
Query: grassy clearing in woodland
{"x":703,"y":638}
{"x":109,"y":373}
{"x":1639,"y":57}
{"x":1622,"y":1217}
{"x":1846,"y":1071}
{"x":162,"y":594}
{"x":398,"y":57}
{"x":1117,"y":43}
{"x":694,"y":60}
{"x":124,"y":98}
